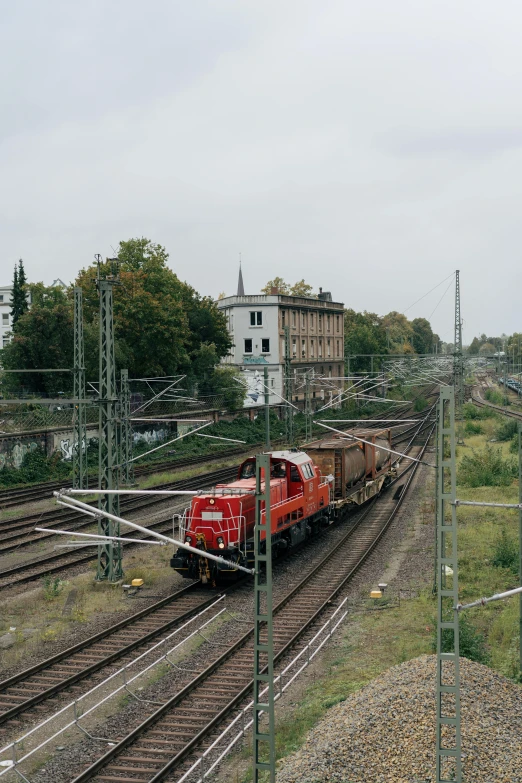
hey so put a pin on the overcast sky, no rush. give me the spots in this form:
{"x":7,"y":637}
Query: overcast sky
{"x":369,"y":146}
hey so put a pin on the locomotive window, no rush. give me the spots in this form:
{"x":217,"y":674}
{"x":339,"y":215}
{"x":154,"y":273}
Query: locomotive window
{"x":248,"y":345}
{"x":278,"y":470}
{"x":294,"y":474}
{"x":307,"y":470}
{"x":248,"y":470}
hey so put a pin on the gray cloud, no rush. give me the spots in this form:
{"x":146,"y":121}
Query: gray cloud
{"x":371,"y":148}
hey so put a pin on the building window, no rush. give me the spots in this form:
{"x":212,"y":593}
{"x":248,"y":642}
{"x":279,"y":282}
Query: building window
{"x":328,"y":348}
{"x":330,"y":371}
{"x":327,"y":323}
{"x":248,"y":345}
{"x":5,"y":318}
{"x":256,"y":318}
{"x":311,"y":320}
{"x":294,"y":317}
{"x":294,"y":347}
{"x":320,"y":348}
{"x":320,"y":324}
{"x":303,"y":320}
{"x":303,"y":349}
{"x":312,"y":349}
{"x":338,"y":347}
{"x":265,"y":345}
{"x":283,"y":313}
{"x":1,"y":297}
{"x":5,"y":341}
{"x":337,"y":323}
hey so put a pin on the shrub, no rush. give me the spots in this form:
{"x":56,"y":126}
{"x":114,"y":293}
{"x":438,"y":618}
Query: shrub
{"x":505,"y":552}
{"x":52,"y":586}
{"x":507,"y":430}
{"x":471,"y":411}
{"x":420,"y":404}
{"x":494,"y":396}
{"x":472,"y":644}
{"x":473,"y":428}
{"x":487,"y":468}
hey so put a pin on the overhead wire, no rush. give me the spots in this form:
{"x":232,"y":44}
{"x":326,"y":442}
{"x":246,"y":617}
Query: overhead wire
{"x":429,"y":292}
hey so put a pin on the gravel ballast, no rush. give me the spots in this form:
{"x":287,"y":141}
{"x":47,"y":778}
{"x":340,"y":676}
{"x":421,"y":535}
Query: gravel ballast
{"x":385,"y":733}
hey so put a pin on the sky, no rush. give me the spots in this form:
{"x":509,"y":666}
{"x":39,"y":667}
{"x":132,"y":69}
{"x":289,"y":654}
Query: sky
{"x":371,"y":147}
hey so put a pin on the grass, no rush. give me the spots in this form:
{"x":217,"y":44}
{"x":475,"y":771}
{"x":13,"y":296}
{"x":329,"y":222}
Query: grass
{"x":373,"y":641}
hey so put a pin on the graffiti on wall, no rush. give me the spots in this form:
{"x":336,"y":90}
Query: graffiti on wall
{"x":67,"y":448}
{"x":13,"y":456}
{"x":150,"y":436}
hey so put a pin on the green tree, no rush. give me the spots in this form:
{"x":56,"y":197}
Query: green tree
{"x":422,"y":338}
{"x":43,"y":338}
{"x":19,"y":304}
{"x":399,"y":332}
{"x":278,"y":283}
{"x":363,"y":334}
{"x":161,"y":323}
{"x":474,"y":347}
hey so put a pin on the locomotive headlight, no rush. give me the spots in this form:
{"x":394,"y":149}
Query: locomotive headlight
{"x":188,"y":540}
{"x":211,"y":501}
{"x":221,"y":543}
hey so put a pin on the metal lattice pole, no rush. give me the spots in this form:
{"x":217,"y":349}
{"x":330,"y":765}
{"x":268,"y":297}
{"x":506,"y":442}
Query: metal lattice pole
{"x":127,"y":467}
{"x":308,"y":407}
{"x":448,"y":753}
{"x":267,"y":409}
{"x":288,"y":389}
{"x":109,"y":554}
{"x":264,"y":738}
{"x":458,"y":362}
{"x":80,"y":478}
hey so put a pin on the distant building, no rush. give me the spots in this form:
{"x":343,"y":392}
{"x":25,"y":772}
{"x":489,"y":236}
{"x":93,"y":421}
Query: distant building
{"x":256,"y":325}
{"x":6,"y":323}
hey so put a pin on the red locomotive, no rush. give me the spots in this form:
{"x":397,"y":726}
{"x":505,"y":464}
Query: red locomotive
{"x":303,"y":499}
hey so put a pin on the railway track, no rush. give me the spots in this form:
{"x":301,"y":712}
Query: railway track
{"x":19,"y":533}
{"x":55,"y":562}
{"x":21,"y":495}
{"x":163,"y":744}
{"x":134,"y":634}
{"x":505,"y":411}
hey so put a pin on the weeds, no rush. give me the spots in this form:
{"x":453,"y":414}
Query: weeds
{"x":472,"y":644}
{"x":507,"y":430}
{"x":486,"y":468}
{"x":494,"y":397}
{"x":473,"y":428}
{"x":52,"y":587}
{"x":505,"y":552}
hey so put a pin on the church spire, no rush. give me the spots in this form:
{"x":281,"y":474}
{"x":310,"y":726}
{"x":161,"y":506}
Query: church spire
{"x":240,"y":286}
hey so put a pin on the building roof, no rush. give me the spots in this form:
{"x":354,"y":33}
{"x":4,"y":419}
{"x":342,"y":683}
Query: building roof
{"x":279,"y":300}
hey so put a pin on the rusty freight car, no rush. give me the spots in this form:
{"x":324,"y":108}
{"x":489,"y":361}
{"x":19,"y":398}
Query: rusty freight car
{"x":359,"y":470}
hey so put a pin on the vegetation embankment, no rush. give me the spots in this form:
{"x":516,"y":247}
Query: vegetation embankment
{"x":373,"y":640}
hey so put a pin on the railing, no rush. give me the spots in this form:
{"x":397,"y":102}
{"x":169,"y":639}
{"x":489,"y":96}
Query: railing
{"x":233,"y":527}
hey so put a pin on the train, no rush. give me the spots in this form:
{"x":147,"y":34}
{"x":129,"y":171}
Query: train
{"x":309,"y":490}
{"x":512,"y":383}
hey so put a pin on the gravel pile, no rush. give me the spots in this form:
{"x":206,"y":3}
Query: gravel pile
{"x":385,"y":733}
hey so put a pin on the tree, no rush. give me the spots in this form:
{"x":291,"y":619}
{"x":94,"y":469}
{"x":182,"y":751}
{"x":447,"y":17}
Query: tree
{"x":43,"y":339}
{"x":422,"y":339}
{"x":277,"y":283}
{"x":487,"y":349}
{"x":399,"y":332}
{"x":363,"y":334}
{"x":160,"y":323}
{"x":19,"y":304}
{"x":301,"y":289}
{"x":474,"y":347}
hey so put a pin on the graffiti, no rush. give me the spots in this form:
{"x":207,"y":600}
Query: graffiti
{"x":150,"y":436}
{"x":15,"y":457}
{"x":67,"y":447}
{"x":255,"y":387}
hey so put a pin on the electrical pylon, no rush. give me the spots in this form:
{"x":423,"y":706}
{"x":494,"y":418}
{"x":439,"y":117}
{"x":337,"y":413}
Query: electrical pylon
{"x":109,"y":554}
{"x":80,"y":477}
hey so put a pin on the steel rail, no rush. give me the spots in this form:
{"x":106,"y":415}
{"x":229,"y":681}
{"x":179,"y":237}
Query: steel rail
{"x":167,"y":769}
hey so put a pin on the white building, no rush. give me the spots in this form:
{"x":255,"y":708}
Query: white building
{"x":6,"y":321}
{"x":5,"y":314}
{"x":257,"y":328}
